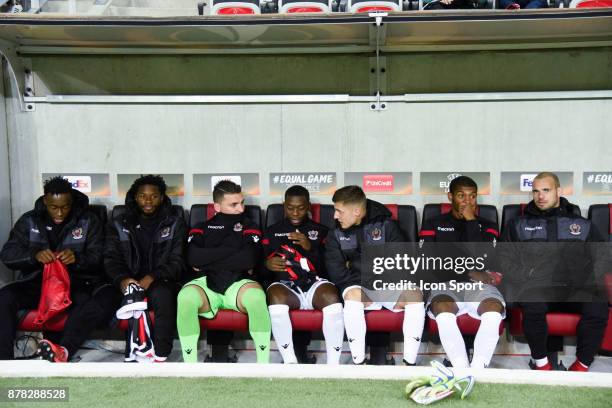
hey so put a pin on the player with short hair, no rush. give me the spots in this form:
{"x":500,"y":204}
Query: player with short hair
{"x":293,"y":250}
{"x":361,"y":222}
{"x":462,"y":224}
{"x":549,"y":217}
{"x":144,"y":249}
{"x":225,"y":251}
{"x":60,"y":227}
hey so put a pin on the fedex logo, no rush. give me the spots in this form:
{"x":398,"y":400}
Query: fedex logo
{"x":377,"y":182}
{"x":526,"y":182}
{"x":80,"y":183}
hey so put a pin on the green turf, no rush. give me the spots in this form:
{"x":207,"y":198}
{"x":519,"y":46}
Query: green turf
{"x":273,"y":393}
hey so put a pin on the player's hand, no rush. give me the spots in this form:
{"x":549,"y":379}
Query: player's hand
{"x":67,"y":256}
{"x":300,"y":239}
{"x":468,"y":212}
{"x":447,"y":2}
{"x":146,"y":282}
{"x":276,"y":264}
{"x":127,"y":282}
{"x":45,"y":256}
{"x":483,"y":277}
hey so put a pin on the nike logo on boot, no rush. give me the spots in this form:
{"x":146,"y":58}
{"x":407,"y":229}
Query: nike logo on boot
{"x":351,"y":340}
{"x":262,"y":347}
{"x":188,"y":351}
{"x":337,"y":348}
{"x":285,"y":346}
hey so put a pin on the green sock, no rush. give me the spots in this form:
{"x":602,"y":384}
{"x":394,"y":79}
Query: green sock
{"x":254,"y":301}
{"x":188,"y":323}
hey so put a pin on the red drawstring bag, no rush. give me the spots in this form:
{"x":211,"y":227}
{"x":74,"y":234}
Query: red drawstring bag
{"x":55,"y":292}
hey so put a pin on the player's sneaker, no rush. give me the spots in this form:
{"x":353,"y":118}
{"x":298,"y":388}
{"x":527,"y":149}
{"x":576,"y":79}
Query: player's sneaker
{"x":52,"y":352}
{"x":578,"y":366}
{"x":546,"y":367}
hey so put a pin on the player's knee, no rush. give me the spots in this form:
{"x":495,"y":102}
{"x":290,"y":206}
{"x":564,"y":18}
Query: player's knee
{"x":189,"y":299}
{"x":490,"y":305}
{"x":411,"y":296}
{"x":443,"y":305}
{"x":326,"y":295}
{"x":277,"y":295}
{"x":253,"y":298}
{"x":353,"y":294}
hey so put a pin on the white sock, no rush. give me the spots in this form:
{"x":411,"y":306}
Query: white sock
{"x":355,"y":325}
{"x":282,"y":332}
{"x":486,"y":339}
{"x":452,"y":340}
{"x":541,"y":362}
{"x":333,"y":331}
{"x":414,"y":320}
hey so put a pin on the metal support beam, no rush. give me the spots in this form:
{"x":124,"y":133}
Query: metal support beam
{"x":339,"y":98}
{"x":19,"y":72}
{"x":378,"y":64}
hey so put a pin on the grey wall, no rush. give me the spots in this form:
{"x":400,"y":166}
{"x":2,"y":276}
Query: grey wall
{"x":5,"y":190}
{"x":476,"y":136}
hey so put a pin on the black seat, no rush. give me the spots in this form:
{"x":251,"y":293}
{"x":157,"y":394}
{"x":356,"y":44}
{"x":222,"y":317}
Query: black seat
{"x":406,"y":218}
{"x":202,"y":212}
{"x":600,"y":216}
{"x":100,"y":211}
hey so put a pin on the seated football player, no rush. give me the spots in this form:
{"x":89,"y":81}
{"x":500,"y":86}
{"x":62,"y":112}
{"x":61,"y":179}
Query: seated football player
{"x":293,"y":251}
{"x":144,"y":250}
{"x":361,"y":222}
{"x":548,"y":218}
{"x":60,"y":227}
{"x":462,"y":224}
{"x":225,"y":251}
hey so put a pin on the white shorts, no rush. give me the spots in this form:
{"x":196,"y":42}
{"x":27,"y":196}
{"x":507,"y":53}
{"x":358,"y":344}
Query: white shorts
{"x":389,"y":303}
{"x":304,"y":297}
{"x":468,"y":300}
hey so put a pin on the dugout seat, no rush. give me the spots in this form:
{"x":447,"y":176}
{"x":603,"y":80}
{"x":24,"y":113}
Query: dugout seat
{"x":100,"y":211}
{"x":369,"y":6}
{"x":406,"y":218}
{"x":234,"y":7}
{"x":468,"y":325}
{"x":304,"y":6}
{"x":601,"y":218}
{"x":591,"y":4}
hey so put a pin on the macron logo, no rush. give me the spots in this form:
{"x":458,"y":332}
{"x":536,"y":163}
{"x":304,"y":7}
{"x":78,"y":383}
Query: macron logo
{"x":446,"y":229}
